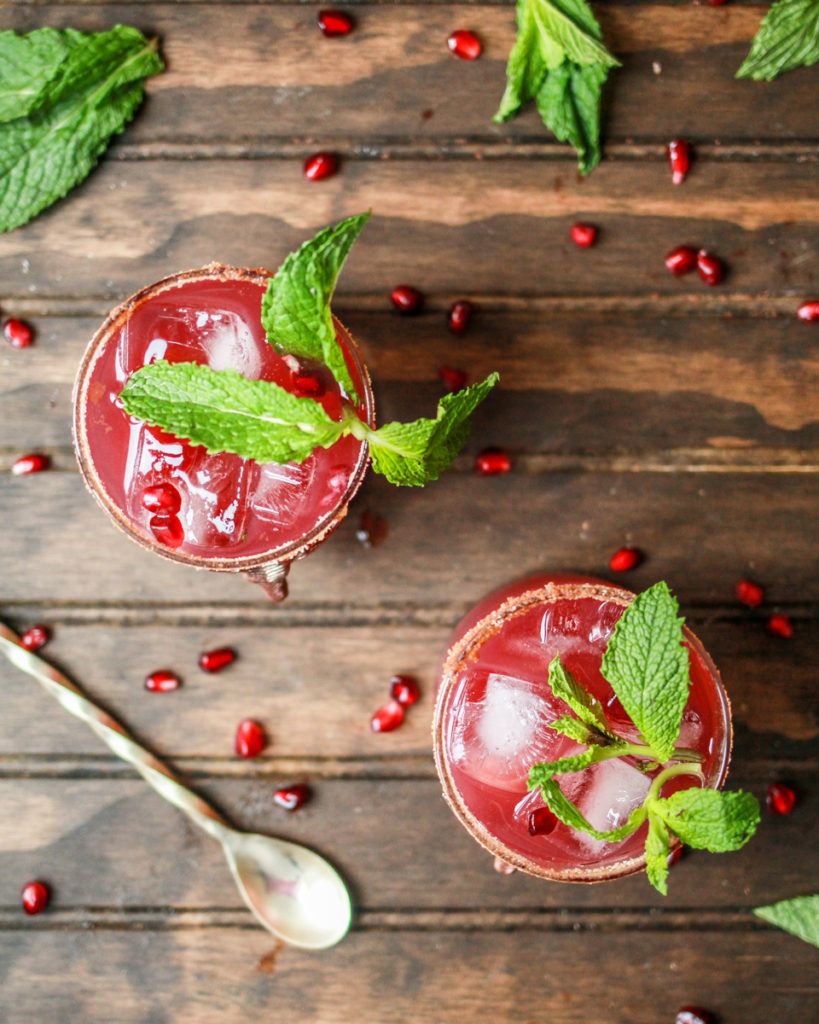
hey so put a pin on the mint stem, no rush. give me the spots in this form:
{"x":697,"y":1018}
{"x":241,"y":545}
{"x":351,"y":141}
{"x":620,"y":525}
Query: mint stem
{"x":671,"y":773}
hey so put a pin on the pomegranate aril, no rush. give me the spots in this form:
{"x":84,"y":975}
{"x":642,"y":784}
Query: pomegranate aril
{"x":307,"y":385}
{"x":453,"y":380}
{"x":35,"y":637}
{"x":750,"y":594}
{"x":780,"y":625}
{"x":291,"y":798}
{"x":161,"y":499}
{"x":334,"y":23}
{"x":809,"y":312}
{"x":492,"y":462}
{"x":673,"y":856}
{"x":34,"y":463}
{"x":18,"y":333}
{"x":460,"y":314}
{"x":168,"y":530}
{"x":679,"y":153}
{"x":464,"y":44}
{"x":681,"y":260}
{"x":162,"y":681}
{"x":387,"y":718}
{"x":710,"y":267}
{"x":583,"y":235}
{"x":251,"y":739}
{"x":217,"y":659}
{"x":34,"y":897}
{"x":694,"y":1015}
{"x":406,"y":299}
{"x":541,"y":822}
{"x":625,"y":559}
{"x":320,"y":166}
{"x":372,"y":529}
{"x":405,"y":690}
{"x":780,"y":798}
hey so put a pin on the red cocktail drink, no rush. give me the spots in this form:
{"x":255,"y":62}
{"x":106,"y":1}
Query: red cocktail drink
{"x":492,"y":718}
{"x":214,"y":511}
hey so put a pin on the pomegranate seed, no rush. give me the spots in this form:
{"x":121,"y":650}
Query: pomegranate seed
{"x":162,"y":681}
{"x":35,"y":897}
{"x":35,"y":637}
{"x":679,"y":152}
{"x":465,"y":45}
{"x":693,"y":1014}
{"x":335,"y":23}
{"x":405,"y":690}
{"x":30,"y":464}
{"x":372,"y":529}
{"x":780,"y":625}
{"x":307,"y":385}
{"x":681,"y":260}
{"x":780,"y":798}
{"x":250,"y":739}
{"x":673,"y":856}
{"x":750,"y":594}
{"x":161,"y":498}
{"x":502,"y":867}
{"x":217,"y":659}
{"x":168,"y":530}
{"x":291,"y":798}
{"x":320,"y":166}
{"x":387,"y":718}
{"x":18,"y":333}
{"x":583,"y":235}
{"x":625,"y":559}
{"x":717,"y":3}
{"x":406,"y":299}
{"x":809,"y":312}
{"x":460,"y":314}
{"x":492,"y":462}
{"x":541,"y":822}
{"x":710,"y":268}
{"x":454,"y":380}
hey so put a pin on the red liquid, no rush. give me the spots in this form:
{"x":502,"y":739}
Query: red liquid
{"x":494,"y":707}
{"x":231,"y":508}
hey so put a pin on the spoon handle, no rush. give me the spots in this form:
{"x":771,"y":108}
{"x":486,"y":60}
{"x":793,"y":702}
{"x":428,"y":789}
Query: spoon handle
{"x":114,"y":735}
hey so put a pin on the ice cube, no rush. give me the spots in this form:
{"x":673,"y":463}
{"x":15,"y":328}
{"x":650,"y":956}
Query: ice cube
{"x":217,"y":508}
{"x":149,"y":461}
{"x":611,"y":792}
{"x":279,"y":490}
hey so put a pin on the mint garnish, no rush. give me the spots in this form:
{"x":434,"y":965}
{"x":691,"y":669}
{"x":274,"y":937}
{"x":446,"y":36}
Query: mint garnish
{"x":260,"y":420}
{"x":646,"y":665}
{"x":62,"y":96}
{"x":559,"y":61}
{"x":788,"y":38}
{"x":799,"y":916}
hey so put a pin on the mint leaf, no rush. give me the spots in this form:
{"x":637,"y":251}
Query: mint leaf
{"x":559,"y":62}
{"x":296,"y":306}
{"x":415,"y":453}
{"x":647,"y":666}
{"x":27,"y":64}
{"x":788,"y":38}
{"x":545,"y":770}
{"x":565,"y":811}
{"x":226,"y":412}
{"x":708,"y":819}
{"x":658,"y":845}
{"x":575,"y":730}
{"x":565,"y":686}
{"x":799,"y":916}
{"x":53,"y":145}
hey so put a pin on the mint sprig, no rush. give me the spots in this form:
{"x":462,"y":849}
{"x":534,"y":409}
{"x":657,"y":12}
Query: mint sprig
{"x":559,"y":61}
{"x":788,"y":38}
{"x":62,"y":96}
{"x":799,"y":916}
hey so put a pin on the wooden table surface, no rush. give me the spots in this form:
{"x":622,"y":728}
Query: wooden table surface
{"x":637,"y":407}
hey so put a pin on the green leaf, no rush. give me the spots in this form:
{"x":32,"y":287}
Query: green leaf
{"x":565,"y":686}
{"x":94,"y":93}
{"x":575,"y":730}
{"x":545,"y":770}
{"x":415,"y":453}
{"x":788,"y":38}
{"x":658,"y":845}
{"x":647,"y":666}
{"x":226,"y":412}
{"x":27,"y":64}
{"x":566,"y":811}
{"x":799,"y":916}
{"x":296,"y":307}
{"x":708,"y":819}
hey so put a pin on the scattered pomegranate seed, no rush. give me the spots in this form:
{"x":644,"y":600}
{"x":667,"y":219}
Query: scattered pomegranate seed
{"x":583,"y":235}
{"x":465,"y":45}
{"x":387,"y":718}
{"x":30,"y":464}
{"x":780,"y":625}
{"x":320,"y":166}
{"x":492,"y":462}
{"x":35,"y":897}
{"x":291,"y":798}
{"x":307,"y":385}
{"x":168,"y":530}
{"x":405,"y":690}
{"x":217,"y":659}
{"x":454,"y":380}
{"x":35,"y":637}
{"x":809,"y":312}
{"x":18,"y":333}
{"x":750,"y":594}
{"x":717,"y":3}
{"x":460,"y":314}
{"x":162,"y":681}
{"x":780,"y":798}
{"x":335,"y":23}
{"x":250,"y":739}
{"x":372,"y":529}
{"x":406,"y":299}
{"x":710,"y":268}
{"x":693,"y":1014}
{"x":681,"y":260}
{"x":161,"y":498}
{"x":625,"y":559}
{"x":502,"y":867}
{"x":679,"y":153}
{"x":541,"y":822}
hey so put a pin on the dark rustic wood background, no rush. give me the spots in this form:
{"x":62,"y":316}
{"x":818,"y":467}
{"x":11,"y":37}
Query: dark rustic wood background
{"x":638,"y":408}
